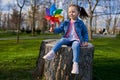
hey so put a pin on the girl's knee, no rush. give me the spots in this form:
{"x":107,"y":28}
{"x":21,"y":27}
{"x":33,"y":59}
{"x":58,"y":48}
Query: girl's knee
{"x":62,"y":39}
{"x":76,"y":44}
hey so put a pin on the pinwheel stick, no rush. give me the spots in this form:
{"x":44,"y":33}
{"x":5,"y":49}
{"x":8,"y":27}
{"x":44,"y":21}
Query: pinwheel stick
{"x":53,"y":26}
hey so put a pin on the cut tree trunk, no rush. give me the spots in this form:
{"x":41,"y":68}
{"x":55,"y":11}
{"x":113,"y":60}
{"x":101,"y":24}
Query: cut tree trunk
{"x":60,"y":67}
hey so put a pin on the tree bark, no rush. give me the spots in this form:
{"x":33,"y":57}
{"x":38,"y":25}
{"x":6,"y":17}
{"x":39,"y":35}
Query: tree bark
{"x":60,"y":67}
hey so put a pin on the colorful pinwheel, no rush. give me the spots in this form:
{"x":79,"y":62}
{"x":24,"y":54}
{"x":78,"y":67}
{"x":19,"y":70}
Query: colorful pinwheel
{"x":53,"y":14}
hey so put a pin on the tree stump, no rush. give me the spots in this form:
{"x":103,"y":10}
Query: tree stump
{"x":60,"y":67}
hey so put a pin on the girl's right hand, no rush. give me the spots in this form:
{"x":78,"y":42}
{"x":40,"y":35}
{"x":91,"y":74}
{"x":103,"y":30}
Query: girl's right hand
{"x":51,"y":29}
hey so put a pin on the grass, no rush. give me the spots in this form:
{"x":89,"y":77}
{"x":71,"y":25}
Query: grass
{"x":106,"y":59}
{"x":17,"y":60}
{"x":8,"y":34}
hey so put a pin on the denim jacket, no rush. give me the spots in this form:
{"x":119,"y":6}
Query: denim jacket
{"x":80,"y":29}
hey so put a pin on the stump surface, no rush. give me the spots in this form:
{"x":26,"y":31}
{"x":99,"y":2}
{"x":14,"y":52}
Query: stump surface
{"x":60,"y":67}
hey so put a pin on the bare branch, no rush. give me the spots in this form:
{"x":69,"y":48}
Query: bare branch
{"x":90,"y":5}
{"x":21,"y":6}
{"x":95,"y":5}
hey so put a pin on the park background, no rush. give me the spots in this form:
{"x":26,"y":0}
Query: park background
{"x":23,"y":27}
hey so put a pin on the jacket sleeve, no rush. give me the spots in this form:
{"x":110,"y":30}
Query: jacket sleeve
{"x":85,"y":33}
{"x":59,"y":29}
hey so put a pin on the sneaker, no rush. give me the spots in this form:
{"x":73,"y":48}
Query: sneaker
{"x":50,"y":55}
{"x":75,"y":68}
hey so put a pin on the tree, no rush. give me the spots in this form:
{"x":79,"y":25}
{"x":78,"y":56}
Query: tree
{"x":91,"y":11}
{"x":14,"y":19}
{"x":112,"y":14}
{"x":34,"y":6}
{"x":33,"y":17}
{"x":0,"y":15}
{"x":4,"y":21}
{"x":8,"y":14}
{"x":36,"y":15}
{"x":43,"y":21}
{"x":0,"y":19}
{"x":20,"y":12}
{"x":109,"y":17}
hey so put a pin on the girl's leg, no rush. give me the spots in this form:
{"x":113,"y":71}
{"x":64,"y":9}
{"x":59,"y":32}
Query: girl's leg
{"x":58,"y":45}
{"x":61,"y":42}
{"x":76,"y":51}
{"x":76,"y":55}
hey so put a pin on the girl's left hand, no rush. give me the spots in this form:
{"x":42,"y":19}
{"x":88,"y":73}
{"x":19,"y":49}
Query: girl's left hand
{"x":85,"y":44}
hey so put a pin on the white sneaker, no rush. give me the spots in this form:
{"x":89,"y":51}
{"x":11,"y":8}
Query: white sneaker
{"x":50,"y":55}
{"x":75,"y":68}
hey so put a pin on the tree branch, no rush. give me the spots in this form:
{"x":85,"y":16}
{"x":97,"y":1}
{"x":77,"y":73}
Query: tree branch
{"x":95,"y":5}
{"x":21,"y":6}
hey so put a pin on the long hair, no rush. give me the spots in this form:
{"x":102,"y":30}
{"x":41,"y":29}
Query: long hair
{"x":82,"y":13}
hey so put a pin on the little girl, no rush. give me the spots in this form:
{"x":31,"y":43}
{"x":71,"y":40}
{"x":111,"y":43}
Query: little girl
{"x":75,"y":35}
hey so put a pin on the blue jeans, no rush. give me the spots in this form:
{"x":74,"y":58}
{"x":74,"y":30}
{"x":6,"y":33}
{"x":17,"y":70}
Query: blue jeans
{"x":74,"y":44}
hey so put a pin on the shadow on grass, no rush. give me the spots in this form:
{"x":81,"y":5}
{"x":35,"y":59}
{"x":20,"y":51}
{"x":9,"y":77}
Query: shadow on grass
{"x":17,"y":68}
{"x":15,"y":74}
{"x":106,"y":69}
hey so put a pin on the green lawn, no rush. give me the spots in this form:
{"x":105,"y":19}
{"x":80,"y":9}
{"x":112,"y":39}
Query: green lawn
{"x":107,"y":59}
{"x":17,"y":60}
{"x":13,"y":34}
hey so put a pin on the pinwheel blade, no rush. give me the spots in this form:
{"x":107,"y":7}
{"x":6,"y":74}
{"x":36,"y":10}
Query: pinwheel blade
{"x":48,"y":11}
{"x":52,"y":9}
{"x":57,"y":11}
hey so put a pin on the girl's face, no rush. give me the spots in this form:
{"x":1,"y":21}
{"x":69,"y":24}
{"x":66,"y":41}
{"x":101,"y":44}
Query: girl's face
{"x":72,"y":13}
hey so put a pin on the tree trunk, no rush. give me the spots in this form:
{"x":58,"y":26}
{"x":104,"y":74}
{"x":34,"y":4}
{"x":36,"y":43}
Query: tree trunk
{"x":60,"y":67}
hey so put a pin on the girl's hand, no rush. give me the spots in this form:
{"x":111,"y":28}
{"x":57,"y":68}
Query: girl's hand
{"x":85,"y":44}
{"x":51,"y":29}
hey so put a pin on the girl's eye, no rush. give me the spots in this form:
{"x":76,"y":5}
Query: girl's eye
{"x":71,"y":11}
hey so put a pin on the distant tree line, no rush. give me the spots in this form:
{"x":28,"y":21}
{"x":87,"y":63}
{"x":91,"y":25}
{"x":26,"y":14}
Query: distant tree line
{"x":32,"y":21}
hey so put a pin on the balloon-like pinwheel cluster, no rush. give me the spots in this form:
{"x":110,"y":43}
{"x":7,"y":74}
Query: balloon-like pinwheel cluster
{"x":53,"y":14}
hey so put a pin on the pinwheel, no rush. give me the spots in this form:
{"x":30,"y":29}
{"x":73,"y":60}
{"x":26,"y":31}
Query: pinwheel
{"x":53,"y":14}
